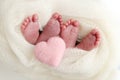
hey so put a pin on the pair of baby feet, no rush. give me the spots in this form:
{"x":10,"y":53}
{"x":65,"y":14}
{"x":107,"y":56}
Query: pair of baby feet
{"x":56,"y":37}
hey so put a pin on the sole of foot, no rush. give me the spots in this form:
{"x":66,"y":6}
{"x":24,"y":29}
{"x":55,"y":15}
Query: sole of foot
{"x":90,"y":41}
{"x":52,"y":28}
{"x":30,"y":28}
{"x":69,"y":32}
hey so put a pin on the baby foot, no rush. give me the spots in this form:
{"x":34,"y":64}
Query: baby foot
{"x":90,"y":41}
{"x":30,"y":29}
{"x":69,"y":32}
{"x":52,"y":28}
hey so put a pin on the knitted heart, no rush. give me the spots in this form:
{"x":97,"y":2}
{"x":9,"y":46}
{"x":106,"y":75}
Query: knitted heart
{"x":50,"y":52}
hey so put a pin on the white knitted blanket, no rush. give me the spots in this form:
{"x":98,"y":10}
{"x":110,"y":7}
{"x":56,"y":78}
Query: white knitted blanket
{"x":98,"y":64}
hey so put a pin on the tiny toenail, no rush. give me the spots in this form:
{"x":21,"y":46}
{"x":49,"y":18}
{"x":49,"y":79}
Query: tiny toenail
{"x":24,"y":23}
{"x":76,"y":23}
{"x":55,"y":15}
{"x":97,"y":42}
{"x":26,"y":20}
{"x":35,"y":17}
{"x":23,"y":27}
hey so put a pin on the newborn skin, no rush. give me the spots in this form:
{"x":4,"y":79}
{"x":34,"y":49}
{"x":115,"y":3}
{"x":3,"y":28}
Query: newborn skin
{"x":90,"y":41}
{"x":69,"y":32}
{"x":52,"y":28}
{"x":30,"y":28}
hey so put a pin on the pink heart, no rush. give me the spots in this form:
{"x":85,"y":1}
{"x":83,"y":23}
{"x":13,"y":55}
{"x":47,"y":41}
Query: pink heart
{"x":50,"y":52}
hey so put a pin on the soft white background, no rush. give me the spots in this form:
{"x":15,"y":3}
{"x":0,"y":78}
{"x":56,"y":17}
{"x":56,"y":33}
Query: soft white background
{"x":113,"y":5}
